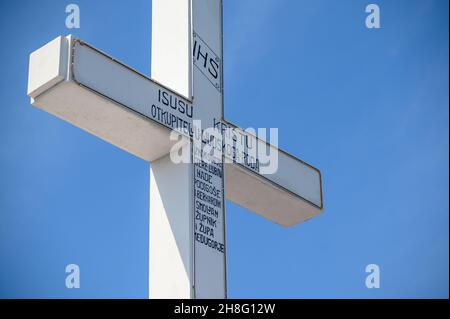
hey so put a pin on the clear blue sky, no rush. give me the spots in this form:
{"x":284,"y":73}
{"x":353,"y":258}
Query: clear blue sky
{"x":368,"y":107}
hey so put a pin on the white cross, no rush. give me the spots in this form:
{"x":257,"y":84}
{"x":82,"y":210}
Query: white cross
{"x":82,"y":85}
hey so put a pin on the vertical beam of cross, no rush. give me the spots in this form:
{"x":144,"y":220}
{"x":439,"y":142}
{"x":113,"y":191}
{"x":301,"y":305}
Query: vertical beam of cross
{"x":187,"y":213}
{"x":209,"y":206}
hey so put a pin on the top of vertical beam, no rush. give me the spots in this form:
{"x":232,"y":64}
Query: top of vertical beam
{"x":171,"y":63}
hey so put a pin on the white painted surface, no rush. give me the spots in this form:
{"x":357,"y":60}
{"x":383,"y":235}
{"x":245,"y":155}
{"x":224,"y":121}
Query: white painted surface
{"x":119,"y":125}
{"x":47,"y":66}
{"x":170,"y":230}
{"x":107,"y":120}
{"x":290,"y":173}
{"x":172,"y":65}
{"x":171,"y":48}
{"x":265,"y":198}
{"x":299,"y":178}
{"x":116,"y":81}
{"x":210,"y":264}
{"x":171,"y":186}
{"x":209,"y":235}
{"x":207,"y":23}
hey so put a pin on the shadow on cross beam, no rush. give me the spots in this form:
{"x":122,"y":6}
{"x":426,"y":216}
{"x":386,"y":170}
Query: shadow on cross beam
{"x":93,"y":91}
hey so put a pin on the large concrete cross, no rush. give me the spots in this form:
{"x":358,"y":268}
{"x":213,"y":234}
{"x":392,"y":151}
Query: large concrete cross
{"x":83,"y":86}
